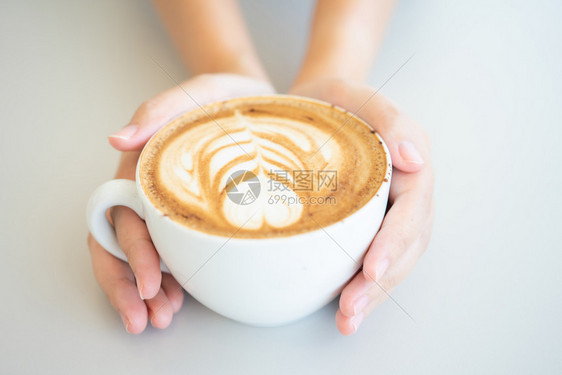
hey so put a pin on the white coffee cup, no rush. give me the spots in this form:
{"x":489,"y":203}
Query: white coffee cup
{"x":262,"y":282}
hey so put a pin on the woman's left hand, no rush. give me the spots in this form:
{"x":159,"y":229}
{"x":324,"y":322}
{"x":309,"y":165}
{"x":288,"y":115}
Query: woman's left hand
{"x":406,"y":229}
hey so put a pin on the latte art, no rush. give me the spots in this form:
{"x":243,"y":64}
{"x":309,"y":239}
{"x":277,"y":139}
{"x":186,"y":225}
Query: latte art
{"x":197,"y":172}
{"x":222,"y":170}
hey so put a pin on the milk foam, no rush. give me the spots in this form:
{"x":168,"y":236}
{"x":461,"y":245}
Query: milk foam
{"x":187,"y":168}
{"x":197,"y":164}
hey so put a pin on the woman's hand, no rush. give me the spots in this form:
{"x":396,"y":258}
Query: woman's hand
{"x":406,"y":228}
{"x":139,"y":290}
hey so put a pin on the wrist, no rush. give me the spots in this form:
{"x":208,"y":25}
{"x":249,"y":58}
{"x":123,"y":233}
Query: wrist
{"x":232,"y":63}
{"x":245,"y":65}
{"x":333,"y":64}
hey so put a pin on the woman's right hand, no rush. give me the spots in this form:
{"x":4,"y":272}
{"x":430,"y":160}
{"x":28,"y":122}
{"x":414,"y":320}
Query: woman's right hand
{"x":138,"y":290}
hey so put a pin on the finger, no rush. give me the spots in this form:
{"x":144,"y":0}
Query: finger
{"x":348,"y":325}
{"x":198,"y":91}
{"x":173,"y":291}
{"x":357,"y":287}
{"x":117,"y":281}
{"x":358,"y":294}
{"x":399,"y":272}
{"x":160,"y":310}
{"x":404,"y":223}
{"x":407,"y":142}
{"x":345,"y":325}
{"x":135,"y":242}
{"x":351,"y":299}
{"x":356,"y":301}
{"x":361,"y":295}
{"x":412,"y":200}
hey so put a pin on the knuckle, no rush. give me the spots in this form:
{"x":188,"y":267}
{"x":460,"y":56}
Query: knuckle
{"x":391,"y":113}
{"x":116,"y":288}
{"x":401,"y":243}
{"x":147,"y":105}
{"x":387,"y":117}
{"x":150,"y":106}
{"x":90,"y":241}
{"x":380,"y":291}
{"x":335,"y":89}
{"x":395,"y":241}
{"x":388,"y":283}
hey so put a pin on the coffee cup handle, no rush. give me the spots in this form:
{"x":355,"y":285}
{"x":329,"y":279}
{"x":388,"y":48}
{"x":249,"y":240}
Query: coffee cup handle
{"x":110,"y":194}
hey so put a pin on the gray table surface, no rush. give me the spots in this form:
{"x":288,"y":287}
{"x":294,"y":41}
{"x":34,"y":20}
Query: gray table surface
{"x":486,"y":297}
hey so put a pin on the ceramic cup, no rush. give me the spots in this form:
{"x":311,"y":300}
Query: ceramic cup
{"x":262,"y":282}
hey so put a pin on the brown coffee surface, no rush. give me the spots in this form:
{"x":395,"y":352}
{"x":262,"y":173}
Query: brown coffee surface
{"x":262,"y":167}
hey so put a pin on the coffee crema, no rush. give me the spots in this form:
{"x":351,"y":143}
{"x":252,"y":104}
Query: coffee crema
{"x":259,"y":167}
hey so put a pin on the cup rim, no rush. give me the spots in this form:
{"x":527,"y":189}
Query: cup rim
{"x":146,"y":201}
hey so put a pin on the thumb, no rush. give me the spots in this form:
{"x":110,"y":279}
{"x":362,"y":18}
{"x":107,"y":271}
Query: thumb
{"x":198,"y":91}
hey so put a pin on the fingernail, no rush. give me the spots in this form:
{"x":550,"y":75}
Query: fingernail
{"x":360,"y":304}
{"x":409,"y":153}
{"x":139,"y":287}
{"x":382,"y":266}
{"x":126,"y":133}
{"x":357,"y":320}
{"x":125,"y":322}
